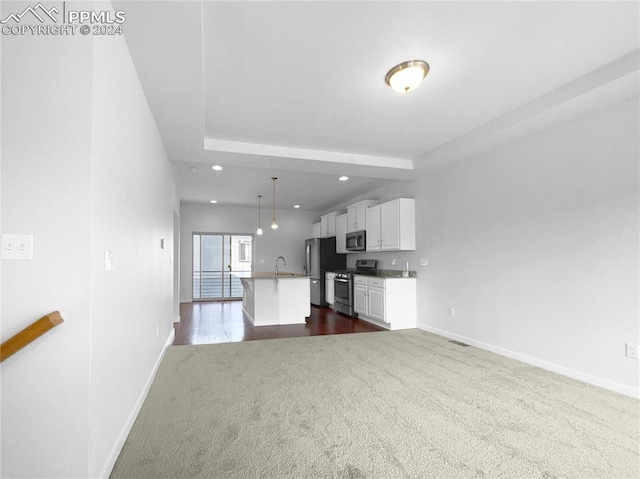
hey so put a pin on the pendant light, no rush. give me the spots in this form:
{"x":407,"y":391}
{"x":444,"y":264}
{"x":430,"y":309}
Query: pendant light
{"x":274,"y":225}
{"x":259,"y":231}
{"x":407,"y":76}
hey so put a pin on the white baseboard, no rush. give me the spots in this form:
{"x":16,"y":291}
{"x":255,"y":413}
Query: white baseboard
{"x":117,"y":447}
{"x":587,"y":378}
{"x":374,"y":322}
{"x":246,"y":313}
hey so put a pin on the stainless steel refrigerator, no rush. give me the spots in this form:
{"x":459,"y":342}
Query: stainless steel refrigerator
{"x":320,"y":257}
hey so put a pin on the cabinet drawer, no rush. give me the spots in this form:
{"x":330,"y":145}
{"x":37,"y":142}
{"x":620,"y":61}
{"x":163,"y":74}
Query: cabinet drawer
{"x":376,"y":282}
{"x":359,"y":280}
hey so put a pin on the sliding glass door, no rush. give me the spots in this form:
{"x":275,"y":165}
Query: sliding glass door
{"x":218,"y":262}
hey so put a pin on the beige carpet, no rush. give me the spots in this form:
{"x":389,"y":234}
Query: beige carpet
{"x":404,"y":404}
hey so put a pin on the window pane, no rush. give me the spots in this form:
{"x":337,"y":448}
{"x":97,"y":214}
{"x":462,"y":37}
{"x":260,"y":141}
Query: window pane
{"x":196,"y":252}
{"x":211,"y":253}
{"x":242,"y":247}
{"x":228,"y":257}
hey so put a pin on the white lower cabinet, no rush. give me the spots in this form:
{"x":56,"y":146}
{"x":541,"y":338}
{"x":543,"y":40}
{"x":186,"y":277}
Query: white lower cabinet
{"x":375,"y":303}
{"x":329,"y":288}
{"x":360,"y":298}
{"x":388,"y":302}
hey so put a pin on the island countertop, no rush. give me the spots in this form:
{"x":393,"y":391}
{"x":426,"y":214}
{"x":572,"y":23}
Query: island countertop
{"x":272,"y":275}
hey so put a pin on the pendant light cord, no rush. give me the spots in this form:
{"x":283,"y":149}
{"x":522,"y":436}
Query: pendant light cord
{"x":259,"y":201}
{"x":274,"y":197}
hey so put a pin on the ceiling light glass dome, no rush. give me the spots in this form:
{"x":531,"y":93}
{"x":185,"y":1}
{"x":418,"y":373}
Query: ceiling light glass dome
{"x":407,"y":76}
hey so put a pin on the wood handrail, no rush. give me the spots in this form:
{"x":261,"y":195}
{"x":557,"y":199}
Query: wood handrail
{"x":29,"y":334}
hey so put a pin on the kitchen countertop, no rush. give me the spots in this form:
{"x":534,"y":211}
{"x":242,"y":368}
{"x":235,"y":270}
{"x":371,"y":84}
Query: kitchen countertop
{"x":384,"y":273}
{"x":391,"y":273}
{"x":272,"y":275}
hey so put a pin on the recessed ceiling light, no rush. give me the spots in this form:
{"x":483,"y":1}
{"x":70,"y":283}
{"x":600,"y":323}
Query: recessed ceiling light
{"x":216,"y":167}
{"x":296,"y":206}
{"x":213,"y":201}
{"x":407,"y":76}
{"x":343,"y":178}
{"x":193,"y":169}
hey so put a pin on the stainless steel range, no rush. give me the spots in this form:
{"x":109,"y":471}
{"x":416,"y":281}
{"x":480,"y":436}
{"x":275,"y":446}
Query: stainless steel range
{"x":343,"y":284}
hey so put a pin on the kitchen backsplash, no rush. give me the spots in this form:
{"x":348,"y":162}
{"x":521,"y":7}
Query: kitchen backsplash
{"x":395,"y":273}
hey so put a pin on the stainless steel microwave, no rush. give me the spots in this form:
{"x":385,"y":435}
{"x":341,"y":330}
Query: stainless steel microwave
{"x":357,"y":241}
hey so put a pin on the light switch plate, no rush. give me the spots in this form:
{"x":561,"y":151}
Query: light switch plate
{"x":16,"y":247}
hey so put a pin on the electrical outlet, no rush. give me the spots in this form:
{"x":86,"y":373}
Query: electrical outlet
{"x":632,"y":351}
{"x":393,"y":262}
{"x":424,"y":262}
{"x":452,"y":312}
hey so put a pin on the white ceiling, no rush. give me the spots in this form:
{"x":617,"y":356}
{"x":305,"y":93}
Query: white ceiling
{"x":296,"y":89}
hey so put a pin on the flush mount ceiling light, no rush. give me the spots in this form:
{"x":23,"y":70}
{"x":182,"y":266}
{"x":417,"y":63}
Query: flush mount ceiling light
{"x":274,"y":225}
{"x":259,"y":231}
{"x":296,"y":206}
{"x":344,"y":178}
{"x":406,"y":76}
{"x":216,"y":167}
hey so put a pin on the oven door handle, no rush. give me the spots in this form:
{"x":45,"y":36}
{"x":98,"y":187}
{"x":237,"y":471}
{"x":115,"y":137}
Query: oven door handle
{"x":341,"y":280}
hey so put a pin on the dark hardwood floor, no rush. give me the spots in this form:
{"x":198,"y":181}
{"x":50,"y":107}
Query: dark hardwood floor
{"x":224,"y":322}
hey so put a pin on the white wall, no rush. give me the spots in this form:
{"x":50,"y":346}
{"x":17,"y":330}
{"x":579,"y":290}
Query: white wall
{"x":46,"y":191}
{"x":535,"y":245}
{"x":84,"y":170}
{"x":134,"y":197}
{"x":287,"y":240}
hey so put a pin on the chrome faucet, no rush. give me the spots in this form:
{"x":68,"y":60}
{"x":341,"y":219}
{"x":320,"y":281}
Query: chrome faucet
{"x":284,"y":262}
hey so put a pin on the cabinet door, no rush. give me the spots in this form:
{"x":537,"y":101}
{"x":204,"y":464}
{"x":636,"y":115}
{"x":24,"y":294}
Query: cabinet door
{"x":324,"y":226}
{"x":329,"y":291}
{"x":341,"y":233}
{"x":390,"y":225}
{"x":373,"y":228}
{"x":352,"y":221}
{"x":375,"y":303}
{"x":361,"y":217}
{"x":317,"y":230}
{"x":331,"y":227}
{"x":328,"y":225}
{"x":360,"y":299}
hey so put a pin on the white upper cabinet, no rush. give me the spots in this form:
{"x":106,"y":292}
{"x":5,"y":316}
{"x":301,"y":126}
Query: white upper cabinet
{"x":341,"y":234}
{"x":317,"y":230}
{"x":328,"y":224}
{"x":373,"y":228}
{"x":357,"y":215}
{"x":391,"y":226}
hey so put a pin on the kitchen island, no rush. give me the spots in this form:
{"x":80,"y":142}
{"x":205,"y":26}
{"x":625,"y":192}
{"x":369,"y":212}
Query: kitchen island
{"x":269,"y":300}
